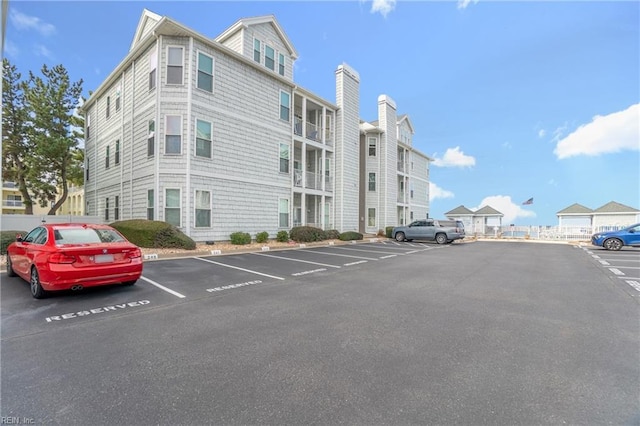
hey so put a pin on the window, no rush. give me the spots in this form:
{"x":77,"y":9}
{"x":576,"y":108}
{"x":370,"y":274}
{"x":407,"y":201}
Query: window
{"x":108,"y":106}
{"x":173,"y":134}
{"x":151,"y":139}
{"x":172,"y":206}
{"x":117,"y":159}
{"x":203,"y":209}
{"x":153,"y":63}
{"x":116,"y":209}
{"x":269,"y":57}
{"x":106,"y":160}
{"x":411,"y":215}
{"x":174,"y":65}
{"x":88,"y":131}
{"x":150,"y":204}
{"x":256,"y":50}
{"x":203,"y":139}
{"x":283,"y":212}
{"x":118,"y":99}
{"x":106,"y":208}
{"x":372,"y":147}
{"x":205,"y":72}
{"x":372,"y":181}
{"x":284,"y":158}
{"x":371,"y":217}
{"x":86,"y":177}
{"x":281,"y":64}
{"x":284,"y":106}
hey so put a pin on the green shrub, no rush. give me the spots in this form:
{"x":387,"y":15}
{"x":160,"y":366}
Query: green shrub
{"x":240,"y":238}
{"x":7,"y":237}
{"x":350,"y":235}
{"x":332,"y":234}
{"x":388,"y":231}
{"x":153,"y":234}
{"x":306,"y":234}
{"x":262,"y":237}
{"x":282,"y":237}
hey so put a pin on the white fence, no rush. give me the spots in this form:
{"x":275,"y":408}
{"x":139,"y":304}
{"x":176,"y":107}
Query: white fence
{"x":25,"y":222}
{"x":561,"y":233}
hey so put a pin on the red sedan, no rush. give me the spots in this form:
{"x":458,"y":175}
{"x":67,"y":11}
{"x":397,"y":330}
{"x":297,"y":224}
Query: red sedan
{"x":73,"y":256}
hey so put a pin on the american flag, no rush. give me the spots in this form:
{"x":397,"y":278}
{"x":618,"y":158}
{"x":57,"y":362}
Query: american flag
{"x":529,"y":201}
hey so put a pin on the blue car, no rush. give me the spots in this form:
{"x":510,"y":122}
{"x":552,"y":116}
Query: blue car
{"x":614,"y":240}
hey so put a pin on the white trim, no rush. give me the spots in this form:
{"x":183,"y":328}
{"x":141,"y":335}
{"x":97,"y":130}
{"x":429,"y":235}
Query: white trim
{"x":165,"y":207}
{"x":195,"y":139}
{"x":213,"y":68}
{"x":288,"y":225}
{"x":195,"y":208}
{"x":167,"y":134}
{"x":288,"y":120}
{"x":167,"y":64}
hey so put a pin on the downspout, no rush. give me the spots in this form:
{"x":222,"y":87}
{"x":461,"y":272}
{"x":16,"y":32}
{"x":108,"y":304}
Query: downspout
{"x":156,"y":131}
{"x":188,"y":141}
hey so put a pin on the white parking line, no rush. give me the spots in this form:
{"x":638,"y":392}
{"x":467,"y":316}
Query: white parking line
{"x":296,"y":260}
{"x":616,"y":271}
{"x":161,"y":287}
{"x":370,"y":251}
{"x":604,"y":262}
{"x":623,"y":260}
{"x":634,"y":284}
{"x":342,"y":255}
{"x":627,"y":267}
{"x":240,"y":269}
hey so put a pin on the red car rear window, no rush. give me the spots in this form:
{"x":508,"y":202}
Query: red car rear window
{"x":86,"y":236}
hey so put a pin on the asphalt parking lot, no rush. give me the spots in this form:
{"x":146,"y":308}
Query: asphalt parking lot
{"x":369,"y":333}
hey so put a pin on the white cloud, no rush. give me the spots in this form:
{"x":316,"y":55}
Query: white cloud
{"x":10,"y":48}
{"x":436,"y":192}
{"x":462,"y":4}
{"x":605,"y":134}
{"x":542,"y":133}
{"x":506,"y":145}
{"x":26,"y":22}
{"x":453,"y":157}
{"x":508,"y":208}
{"x":41,"y":50}
{"x":383,"y":6}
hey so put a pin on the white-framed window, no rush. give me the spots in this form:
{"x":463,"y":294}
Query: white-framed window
{"x":153,"y":64}
{"x":281,"y":64}
{"x":86,"y":172}
{"x":116,"y":209}
{"x":118,"y":99}
{"x":108,"y":106}
{"x":372,"y":181}
{"x":203,"y":209}
{"x":106,"y":158}
{"x":205,"y":72}
{"x":372,"y":147}
{"x":269,"y":57}
{"x":285,"y":105}
{"x":106,"y":208}
{"x":117,"y":153}
{"x":257,"y":50}
{"x":371,"y":217}
{"x":174,"y":64}
{"x":172,"y":211}
{"x":203,"y":139}
{"x":411,"y":215}
{"x":87,"y":133}
{"x":151,"y":139}
{"x":173,"y":134}
{"x":283,"y":212}
{"x":284,"y":157}
{"x":150,"y":204}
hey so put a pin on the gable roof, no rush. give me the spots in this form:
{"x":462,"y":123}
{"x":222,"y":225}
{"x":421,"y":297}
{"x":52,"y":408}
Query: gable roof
{"x":487,"y":211}
{"x":405,"y":117}
{"x":575,"y":209}
{"x":613,"y":207}
{"x":147,"y":21}
{"x":243,"y":23}
{"x":460,"y":211}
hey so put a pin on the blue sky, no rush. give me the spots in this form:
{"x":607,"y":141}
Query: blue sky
{"x":513,"y":100}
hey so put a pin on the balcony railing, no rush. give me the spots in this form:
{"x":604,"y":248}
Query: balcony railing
{"x":401,"y":197}
{"x":313,"y":181}
{"x":313,"y":132}
{"x":401,"y":166}
{"x":9,"y":185}
{"x":13,"y":203}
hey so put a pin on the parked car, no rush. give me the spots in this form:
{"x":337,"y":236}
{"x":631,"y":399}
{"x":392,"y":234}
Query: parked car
{"x":615,"y":240}
{"x":440,"y":231}
{"x":73,"y":256}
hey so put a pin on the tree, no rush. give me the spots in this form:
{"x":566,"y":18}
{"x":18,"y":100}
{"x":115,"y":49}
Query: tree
{"x":55,"y":130}
{"x":17,"y":147}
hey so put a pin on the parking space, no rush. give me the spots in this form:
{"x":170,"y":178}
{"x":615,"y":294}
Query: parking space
{"x":623,"y":265}
{"x":171,"y":281}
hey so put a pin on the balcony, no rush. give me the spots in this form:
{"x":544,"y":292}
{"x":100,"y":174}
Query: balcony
{"x":312,"y":180}
{"x":401,"y":196}
{"x":14,"y":204}
{"x":10,"y":185}
{"x":401,"y":166}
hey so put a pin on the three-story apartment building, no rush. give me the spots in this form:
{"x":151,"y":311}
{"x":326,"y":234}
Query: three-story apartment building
{"x":214,"y":136}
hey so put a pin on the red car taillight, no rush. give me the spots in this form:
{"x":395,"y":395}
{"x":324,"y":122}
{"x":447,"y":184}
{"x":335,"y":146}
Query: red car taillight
{"x":133,"y":254}
{"x":61,"y":258}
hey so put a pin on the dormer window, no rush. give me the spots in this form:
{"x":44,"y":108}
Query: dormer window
{"x":269,"y":57}
{"x":257,"y":50}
